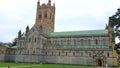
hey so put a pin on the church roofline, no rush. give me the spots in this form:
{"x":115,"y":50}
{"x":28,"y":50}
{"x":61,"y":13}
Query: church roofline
{"x":76,"y":33}
{"x":83,"y":47}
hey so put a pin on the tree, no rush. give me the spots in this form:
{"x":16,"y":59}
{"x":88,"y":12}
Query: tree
{"x":14,"y":42}
{"x":114,"y":21}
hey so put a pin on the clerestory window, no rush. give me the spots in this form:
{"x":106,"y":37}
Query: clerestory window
{"x":45,"y":16}
{"x":96,"y":42}
{"x":40,"y":16}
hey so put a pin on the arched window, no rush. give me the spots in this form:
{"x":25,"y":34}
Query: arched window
{"x":35,"y":40}
{"x":41,"y":29}
{"x":45,"y":15}
{"x":50,"y":16}
{"x":73,"y":53}
{"x":55,"y":41}
{"x":89,"y":42}
{"x":29,"y":39}
{"x":61,"y":42}
{"x":96,"y":42}
{"x":81,"y":53}
{"x":68,"y":42}
{"x":81,"y":41}
{"x":45,"y":53}
{"x":40,"y":16}
{"x":104,"y":41}
{"x":74,"y":42}
{"x":59,"y":53}
{"x":107,"y":54}
{"x":33,"y":51}
{"x":50,"y":41}
{"x":27,"y":51}
{"x":89,"y":54}
{"x":78,"y":41}
{"x":66,"y":53}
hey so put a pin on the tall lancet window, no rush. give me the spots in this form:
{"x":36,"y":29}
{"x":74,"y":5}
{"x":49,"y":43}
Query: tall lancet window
{"x":96,"y":42}
{"x":35,"y":40}
{"x":81,"y":41}
{"x":89,"y":42}
{"x":40,"y":15}
{"x":74,"y":42}
{"x":104,"y":41}
{"x":45,"y":15}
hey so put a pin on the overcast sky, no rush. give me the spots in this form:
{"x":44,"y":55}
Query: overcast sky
{"x":71,"y":15}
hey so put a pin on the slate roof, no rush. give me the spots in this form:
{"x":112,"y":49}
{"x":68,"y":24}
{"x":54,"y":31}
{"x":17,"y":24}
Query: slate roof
{"x":13,"y":47}
{"x":80,"y":33}
{"x":83,"y":46}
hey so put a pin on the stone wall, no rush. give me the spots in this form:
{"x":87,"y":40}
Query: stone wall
{"x":52,"y":59}
{"x":2,"y":57}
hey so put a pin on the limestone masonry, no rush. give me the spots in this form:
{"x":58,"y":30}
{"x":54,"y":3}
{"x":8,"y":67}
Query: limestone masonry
{"x":40,"y":44}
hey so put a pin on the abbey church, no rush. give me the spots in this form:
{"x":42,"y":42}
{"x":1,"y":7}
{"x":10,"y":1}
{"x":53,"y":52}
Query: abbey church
{"x":40,"y":44}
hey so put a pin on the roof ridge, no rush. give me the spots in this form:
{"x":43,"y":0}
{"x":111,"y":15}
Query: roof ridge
{"x":86,"y":32}
{"x":80,"y":30}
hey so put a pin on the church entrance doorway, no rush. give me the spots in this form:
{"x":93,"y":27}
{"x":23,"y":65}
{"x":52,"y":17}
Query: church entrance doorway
{"x":99,"y":62}
{"x":99,"y":59}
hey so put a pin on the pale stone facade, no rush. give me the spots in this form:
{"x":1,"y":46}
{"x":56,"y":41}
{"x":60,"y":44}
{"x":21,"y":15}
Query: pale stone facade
{"x":41,"y":44}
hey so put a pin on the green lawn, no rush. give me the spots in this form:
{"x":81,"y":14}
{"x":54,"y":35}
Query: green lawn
{"x":3,"y":64}
{"x":23,"y":65}
{"x":59,"y":66}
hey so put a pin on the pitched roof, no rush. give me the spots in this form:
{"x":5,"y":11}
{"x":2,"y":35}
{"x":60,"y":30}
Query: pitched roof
{"x":83,"y":46}
{"x":14,"y":47}
{"x":7,"y":46}
{"x":79,"y":33}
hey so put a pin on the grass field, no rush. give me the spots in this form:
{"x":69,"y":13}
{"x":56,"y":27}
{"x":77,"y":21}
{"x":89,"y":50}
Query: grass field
{"x":59,"y":66}
{"x":23,"y":65}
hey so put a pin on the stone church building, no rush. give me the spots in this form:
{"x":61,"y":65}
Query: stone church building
{"x":40,"y":44}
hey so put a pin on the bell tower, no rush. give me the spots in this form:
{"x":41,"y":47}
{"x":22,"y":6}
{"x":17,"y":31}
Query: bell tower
{"x":45,"y":17}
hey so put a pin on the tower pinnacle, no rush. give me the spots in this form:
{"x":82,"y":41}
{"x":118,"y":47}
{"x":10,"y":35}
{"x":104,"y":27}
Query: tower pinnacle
{"x":49,"y":2}
{"x":106,"y":26}
{"x":38,"y":3}
{"x":54,"y":4}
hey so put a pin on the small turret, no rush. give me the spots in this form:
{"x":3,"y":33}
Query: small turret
{"x":19,"y":34}
{"x":27,"y":30}
{"x":49,"y":3}
{"x":38,"y":3}
{"x":106,"y":26}
{"x":53,"y":4}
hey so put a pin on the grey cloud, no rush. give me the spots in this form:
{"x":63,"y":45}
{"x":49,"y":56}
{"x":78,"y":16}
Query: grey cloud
{"x":72,"y":14}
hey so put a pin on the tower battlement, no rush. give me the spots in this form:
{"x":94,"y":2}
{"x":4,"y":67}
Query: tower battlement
{"x":43,"y":5}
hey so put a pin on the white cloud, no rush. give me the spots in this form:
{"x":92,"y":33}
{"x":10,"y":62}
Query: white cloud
{"x":72,"y":14}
